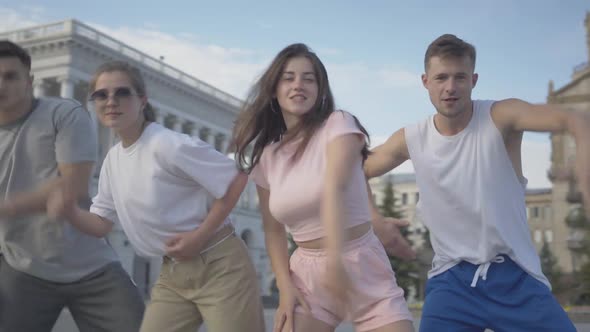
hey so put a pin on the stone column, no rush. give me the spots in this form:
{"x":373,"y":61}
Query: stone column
{"x":39,"y":87}
{"x":220,"y":143}
{"x":225,"y":145}
{"x":205,"y":134}
{"x":177,"y":126}
{"x":160,"y":116}
{"x":66,"y":89}
{"x":195,"y":130}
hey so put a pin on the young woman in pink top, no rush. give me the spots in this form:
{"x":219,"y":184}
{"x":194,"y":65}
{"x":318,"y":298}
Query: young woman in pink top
{"x":307,"y":163}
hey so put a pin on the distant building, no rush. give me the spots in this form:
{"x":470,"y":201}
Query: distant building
{"x":406,"y":196}
{"x":574,"y":96}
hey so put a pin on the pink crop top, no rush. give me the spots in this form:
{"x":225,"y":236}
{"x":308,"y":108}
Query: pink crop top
{"x":296,"y":188}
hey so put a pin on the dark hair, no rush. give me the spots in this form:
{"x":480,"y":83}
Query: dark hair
{"x":10,"y":49}
{"x":449,"y":45}
{"x":261,"y":119}
{"x":134,"y":76}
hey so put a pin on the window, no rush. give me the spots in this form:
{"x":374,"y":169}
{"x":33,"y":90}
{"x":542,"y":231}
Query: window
{"x":538,"y":236}
{"x":535,"y":212}
{"x":548,"y":212}
{"x":219,"y":142}
{"x":549,"y":236}
{"x":404,"y":198}
{"x":187,"y":128}
{"x":204,"y":134}
{"x":169,"y":121}
{"x":416,"y":197}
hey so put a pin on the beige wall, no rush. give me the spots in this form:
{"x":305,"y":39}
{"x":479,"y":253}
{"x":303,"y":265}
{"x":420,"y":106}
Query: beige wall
{"x":545,"y":227}
{"x":574,"y":96}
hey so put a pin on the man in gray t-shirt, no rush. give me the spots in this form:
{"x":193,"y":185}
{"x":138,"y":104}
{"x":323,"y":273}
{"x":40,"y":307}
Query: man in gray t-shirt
{"x":46,"y":264}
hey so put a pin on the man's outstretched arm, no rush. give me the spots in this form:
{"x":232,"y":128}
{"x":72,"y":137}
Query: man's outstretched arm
{"x":514,"y":115}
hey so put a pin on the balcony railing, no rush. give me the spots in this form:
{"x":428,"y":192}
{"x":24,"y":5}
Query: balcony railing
{"x":73,"y":27}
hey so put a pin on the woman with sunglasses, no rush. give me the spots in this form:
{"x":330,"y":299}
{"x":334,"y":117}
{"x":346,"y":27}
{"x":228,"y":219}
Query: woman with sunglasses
{"x":172,"y":195}
{"x":307,"y":163}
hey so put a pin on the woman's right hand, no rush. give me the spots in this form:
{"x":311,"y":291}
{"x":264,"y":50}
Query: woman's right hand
{"x":289,"y":298}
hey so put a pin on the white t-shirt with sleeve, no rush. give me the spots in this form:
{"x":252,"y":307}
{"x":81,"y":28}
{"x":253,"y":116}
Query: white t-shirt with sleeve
{"x":162,"y":185}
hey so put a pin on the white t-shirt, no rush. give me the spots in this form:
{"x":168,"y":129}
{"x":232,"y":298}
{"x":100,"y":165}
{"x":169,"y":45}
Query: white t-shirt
{"x":471,"y":198}
{"x":162,"y":185}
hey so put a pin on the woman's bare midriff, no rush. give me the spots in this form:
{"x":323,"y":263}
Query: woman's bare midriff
{"x":351,"y":233}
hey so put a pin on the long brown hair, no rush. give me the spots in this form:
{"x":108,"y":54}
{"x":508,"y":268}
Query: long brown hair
{"x":261,"y":120}
{"x":135,"y":78}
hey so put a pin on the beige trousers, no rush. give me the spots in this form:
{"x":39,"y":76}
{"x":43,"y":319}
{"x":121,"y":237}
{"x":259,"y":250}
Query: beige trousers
{"x":218,"y":287}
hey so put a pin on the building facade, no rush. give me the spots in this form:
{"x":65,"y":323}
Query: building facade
{"x":407,"y":195}
{"x":574,"y":96}
{"x":65,"y":55}
{"x":540,"y":218}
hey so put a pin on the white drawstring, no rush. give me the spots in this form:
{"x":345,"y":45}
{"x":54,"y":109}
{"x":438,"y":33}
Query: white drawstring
{"x":482,"y":270}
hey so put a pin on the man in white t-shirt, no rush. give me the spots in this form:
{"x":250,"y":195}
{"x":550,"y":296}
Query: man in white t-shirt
{"x":486,"y":272}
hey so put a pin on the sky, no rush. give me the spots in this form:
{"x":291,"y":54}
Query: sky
{"x":373,"y":49}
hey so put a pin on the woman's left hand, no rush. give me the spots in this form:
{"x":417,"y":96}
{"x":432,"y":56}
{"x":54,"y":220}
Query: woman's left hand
{"x":185,"y":245}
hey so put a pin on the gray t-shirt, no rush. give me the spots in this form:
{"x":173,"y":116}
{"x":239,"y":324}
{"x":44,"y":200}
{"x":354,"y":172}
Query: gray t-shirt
{"x":55,"y":131}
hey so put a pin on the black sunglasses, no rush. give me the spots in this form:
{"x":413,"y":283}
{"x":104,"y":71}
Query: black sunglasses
{"x":102,"y":95}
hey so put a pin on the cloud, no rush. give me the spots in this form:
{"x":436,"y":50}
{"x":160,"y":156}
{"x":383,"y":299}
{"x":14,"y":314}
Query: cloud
{"x":536,"y":160}
{"x":24,"y":17}
{"x":230,"y":69}
{"x":327,"y":51}
{"x":263,"y":25}
{"x":361,"y":74}
{"x":396,"y":78}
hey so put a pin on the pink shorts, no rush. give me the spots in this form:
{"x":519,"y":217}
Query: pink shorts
{"x":377,"y":299}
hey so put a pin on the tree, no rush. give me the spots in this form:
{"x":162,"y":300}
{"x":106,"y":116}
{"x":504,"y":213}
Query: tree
{"x":405,"y":272}
{"x":583,"y":296}
{"x":550,"y":268}
{"x":579,"y":245}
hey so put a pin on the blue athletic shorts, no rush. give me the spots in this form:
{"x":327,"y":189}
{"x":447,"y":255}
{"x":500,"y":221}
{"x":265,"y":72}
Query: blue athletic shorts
{"x":509,"y":299}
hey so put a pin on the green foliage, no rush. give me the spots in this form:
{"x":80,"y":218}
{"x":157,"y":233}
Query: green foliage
{"x":387,"y":207}
{"x":550,"y":268}
{"x":405,"y":272}
{"x":577,"y":218}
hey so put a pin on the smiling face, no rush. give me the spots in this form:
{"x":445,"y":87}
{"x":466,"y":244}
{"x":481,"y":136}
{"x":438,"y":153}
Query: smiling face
{"x":116,"y":101}
{"x":449,"y":82}
{"x":297,"y":89}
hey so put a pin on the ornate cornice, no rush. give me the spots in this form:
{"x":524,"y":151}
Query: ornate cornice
{"x":572,"y":99}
